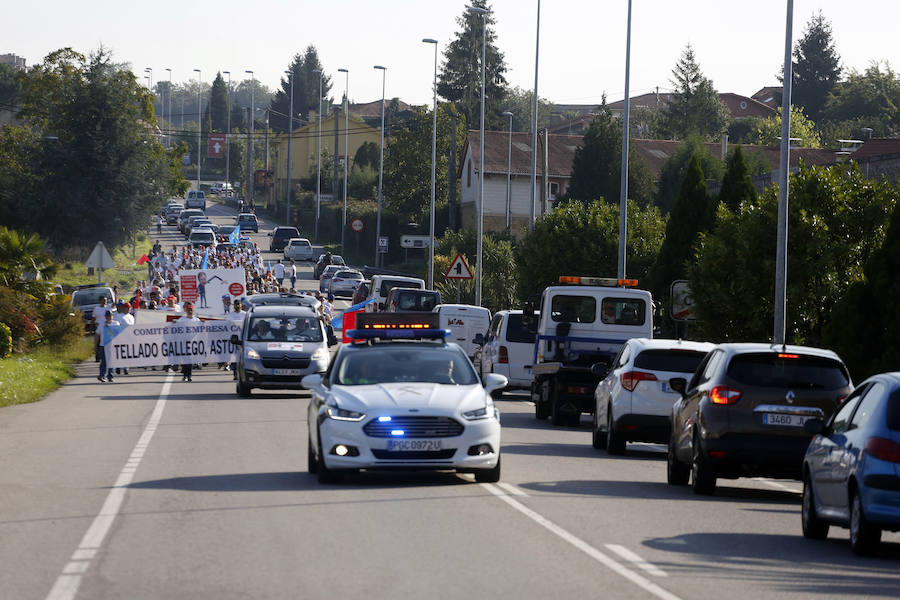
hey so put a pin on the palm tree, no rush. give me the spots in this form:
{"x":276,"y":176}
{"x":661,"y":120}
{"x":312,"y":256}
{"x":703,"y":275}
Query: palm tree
{"x":24,"y":265}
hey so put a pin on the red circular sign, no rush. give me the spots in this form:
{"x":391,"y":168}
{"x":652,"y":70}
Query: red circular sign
{"x":236,"y":289}
{"x":357,"y":225}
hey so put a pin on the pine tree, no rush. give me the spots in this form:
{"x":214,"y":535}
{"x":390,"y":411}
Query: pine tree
{"x":816,"y":67}
{"x":694,"y":106}
{"x":218,"y":104}
{"x":694,"y":213}
{"x":459,"y":80}
{"x":306,"y":90}
{"x":737,"y":187}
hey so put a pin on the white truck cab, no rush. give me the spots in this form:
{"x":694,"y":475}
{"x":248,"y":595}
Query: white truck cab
{"x":582,"y":325}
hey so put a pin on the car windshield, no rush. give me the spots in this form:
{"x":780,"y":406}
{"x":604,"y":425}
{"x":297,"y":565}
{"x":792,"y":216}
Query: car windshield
{"x":287,"y":233}
{"x":675,"y":361}
{"x":517,"y":332}
{"x":90,"y":297}
{"x":416,"y":300}
{"x":285,"y":329}
{"x":349,"y":275}
{"x":893,"y":411}
{"x":388,"y":284}
{"x":573,"y":309}
{"x":771,"y":369}
{"x":412,"y":363}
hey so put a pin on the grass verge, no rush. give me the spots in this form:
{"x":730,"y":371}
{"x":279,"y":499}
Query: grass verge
{"x":29,"y":377}
{"x":124,"y":274}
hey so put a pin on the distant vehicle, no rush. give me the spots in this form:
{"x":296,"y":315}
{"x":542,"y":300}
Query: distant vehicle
{"x":298,"y":249}
{"x":280,"y":237}
{"x":193,"y":222}
{"x":582,"y":325}
{"x":185,"y":216}
{"x":248,"y":222}
{"x":220,"y":187}
{"x":336,"y":259}
{"x":202,"y":237}
{"x":507,"y":349}
{"x":344,"y":282}
{"x":402,"y":299}
{"x":743,"y":411}
{"x":382,"y":285}
{"x":851,"y":472}
{"x":281,"y":299}
{"x":172,"y":214}
{"x":327,"y":274}
{"x":634,"y":401}
{"x":86,"y":298}
{"x":195,"y":199}
{"x":224,"y":232}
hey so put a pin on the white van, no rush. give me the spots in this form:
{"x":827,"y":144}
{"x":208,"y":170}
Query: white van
{"x":509,"y":349}
{"x":464,"y":322}
{"x":382,"y":285}
{"x":195,"y":199}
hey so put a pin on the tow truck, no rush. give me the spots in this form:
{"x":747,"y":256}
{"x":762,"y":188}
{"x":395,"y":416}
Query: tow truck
{"x":582,"y":325}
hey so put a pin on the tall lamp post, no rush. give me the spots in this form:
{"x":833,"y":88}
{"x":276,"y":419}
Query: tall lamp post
{"x":228,"y":140}
{"x":534,"y":119}
{"x":781,"y":254}
{"x":252,"y":138}
{"x":199,"y":124}
{"x":479,"y":270}
{"x":169,"y":118}
{"x":623,"y":199}
{"x":508,"y":170}
{"x":346,"y":150}
{"x":380,"y":169}
{"x":433,"y":164}
{"x":318,"y":155}
{"x":290,"y":154}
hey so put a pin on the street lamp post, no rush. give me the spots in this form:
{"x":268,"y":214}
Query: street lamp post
{"x":380,"y":169}
{"x":199,"y":124}
{"x":346,"y":150}
{"x":479,"y":270}
{"x":623,"y":199}
{"x":228,"y":140}
{"x":169,"y":118}
{"x":252,"y":131}
{"x":433,"y":164}
{"x":318,"y":155}
{"x":781,"y":253}
{"x":290,"y":152}
{"x":534,"y":119}
{"x":508,"y":170}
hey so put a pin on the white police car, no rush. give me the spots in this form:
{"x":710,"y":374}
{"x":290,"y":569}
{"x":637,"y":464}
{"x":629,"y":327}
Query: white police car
{"x":400,"y":397}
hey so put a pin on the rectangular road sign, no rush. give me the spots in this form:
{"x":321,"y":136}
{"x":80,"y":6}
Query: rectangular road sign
{"x":216,"y":145}
{"x":383,"y":245}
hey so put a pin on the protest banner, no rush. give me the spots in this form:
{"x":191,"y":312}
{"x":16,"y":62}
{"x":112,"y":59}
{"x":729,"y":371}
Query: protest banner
{"x":171,"y":344}
{"x":205,"y":288}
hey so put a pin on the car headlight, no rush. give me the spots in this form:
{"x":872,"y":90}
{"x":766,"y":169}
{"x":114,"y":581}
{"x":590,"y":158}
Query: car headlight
{"x":342,"y":414}
{"x":320,"y":354}
{"x":478,"y":413}
{"x":251,"y":353}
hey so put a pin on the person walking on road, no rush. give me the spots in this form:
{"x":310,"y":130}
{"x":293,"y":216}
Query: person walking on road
{"x":278,"y":272}
{"x":189,"y":319}
{"x":158,"y":225}
{"x":104,"y":331}
{"x":236,"y":316}
{"x":293,"y":275}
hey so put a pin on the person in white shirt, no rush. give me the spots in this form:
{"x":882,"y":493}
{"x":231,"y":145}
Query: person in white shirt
{"x":187,"y":319}
{"x":237,"y":315}
{"x":278,"y":272}
{"x":123,"y":317}
{"x":293,"y":275}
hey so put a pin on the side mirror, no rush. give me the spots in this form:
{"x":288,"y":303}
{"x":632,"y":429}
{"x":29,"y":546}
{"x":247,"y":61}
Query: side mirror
{"x":479,"y":339}
{"x":332,"y":340}
{"x":678,"y":384}
{"x":814,"y":426}
{"x":311,"y":381}
{"x":599,"y":370}
{"x":236,"y":340}
{"x":494,"y":381}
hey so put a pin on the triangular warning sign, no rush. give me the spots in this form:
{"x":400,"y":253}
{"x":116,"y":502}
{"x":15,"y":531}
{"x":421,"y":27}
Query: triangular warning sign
{"x":459,"y":269}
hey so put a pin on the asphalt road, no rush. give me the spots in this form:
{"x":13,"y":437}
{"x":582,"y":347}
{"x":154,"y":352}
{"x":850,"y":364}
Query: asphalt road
{"x":154,"y":488}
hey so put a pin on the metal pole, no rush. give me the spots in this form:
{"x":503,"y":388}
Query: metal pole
{"x":228,"y":141}
{"x":534,"y":118}
{"x":318,"y":155}
{"x":508,"y":172}
{"x":623,"y":197}
{"x":784,"y":179}
{"x":479,"y":270}
{"x":346,"y":150}
{"x":169,"y":105}
{"x":199,"y":126}
{"x":290,"y":152}
{"x":433,"y":165}
{"x":252,"y":133}
{"x":380,"y":169}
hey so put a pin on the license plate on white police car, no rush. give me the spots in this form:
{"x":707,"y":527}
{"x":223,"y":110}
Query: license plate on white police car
{"x":287,"y":371}
{"x":413,"y":445}
{"x":787,"y":420}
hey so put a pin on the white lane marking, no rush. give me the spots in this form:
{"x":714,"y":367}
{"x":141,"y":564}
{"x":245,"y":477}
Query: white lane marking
{"x":636,"y":560}
{"x":512,"y":489}
{"x":777,"y":485}
{"x":600,"y":557}
{"x":67,"y":584}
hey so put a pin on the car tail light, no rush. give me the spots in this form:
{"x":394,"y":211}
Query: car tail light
{"x":883,"y":449}
{"x":337,"y":279}
{"x":632,"y":378}
{"x":724,"y":395}
{"x":504,"y":356}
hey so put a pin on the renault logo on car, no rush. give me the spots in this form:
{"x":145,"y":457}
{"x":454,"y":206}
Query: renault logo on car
{"x":789,"y":397}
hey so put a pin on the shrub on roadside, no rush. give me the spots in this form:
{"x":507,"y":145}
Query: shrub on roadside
{"x":5,"y":341}
{"x":58,"y":325}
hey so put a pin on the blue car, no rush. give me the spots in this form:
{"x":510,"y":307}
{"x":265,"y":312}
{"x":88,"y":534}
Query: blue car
{"x":851,"y":471}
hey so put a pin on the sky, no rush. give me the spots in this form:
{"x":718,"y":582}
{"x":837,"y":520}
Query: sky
{"x":738,"y":45}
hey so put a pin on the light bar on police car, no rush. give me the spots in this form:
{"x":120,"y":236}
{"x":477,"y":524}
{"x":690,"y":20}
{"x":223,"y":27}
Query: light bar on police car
{"x":408,"y":326}
{"x":598,"y":281}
